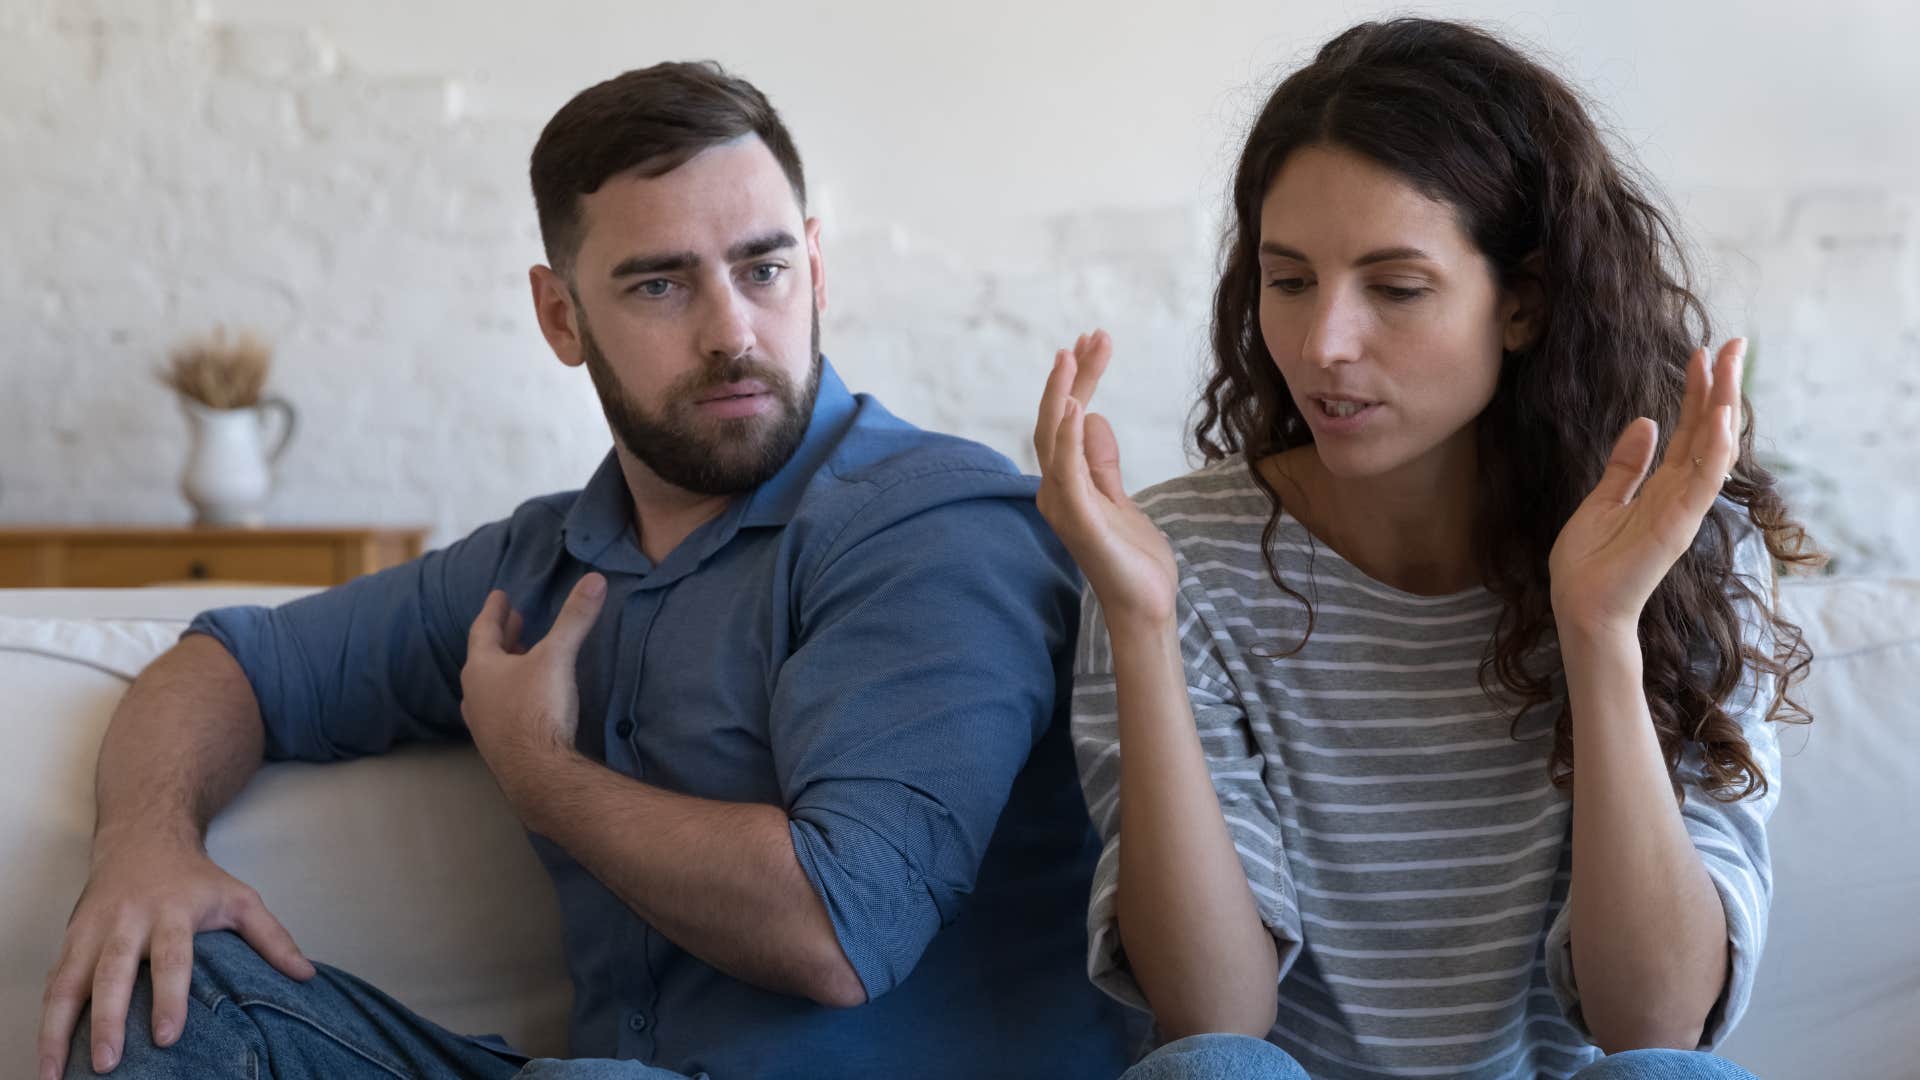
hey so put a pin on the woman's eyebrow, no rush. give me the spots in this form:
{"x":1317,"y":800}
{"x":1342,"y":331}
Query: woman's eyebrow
{"x":1391,"y":254}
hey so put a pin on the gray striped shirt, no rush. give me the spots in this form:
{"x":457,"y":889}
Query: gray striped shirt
{"x":1404,"y":848}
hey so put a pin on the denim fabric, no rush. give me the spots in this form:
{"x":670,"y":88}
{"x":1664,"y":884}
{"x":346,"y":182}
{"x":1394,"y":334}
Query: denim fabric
{"x":247,"y":1021}
{"x":1240,"y":1057}
{"x":1217,"y":1057}
{"x":1663,"y":1065}
{"x":596,"y":1069}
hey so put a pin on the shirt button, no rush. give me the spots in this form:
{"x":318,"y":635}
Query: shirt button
{"x":638,"y":1021}
{"x":624,"y":729}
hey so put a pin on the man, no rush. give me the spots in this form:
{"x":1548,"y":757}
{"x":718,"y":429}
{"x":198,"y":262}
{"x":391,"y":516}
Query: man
{"x":788,"y":736}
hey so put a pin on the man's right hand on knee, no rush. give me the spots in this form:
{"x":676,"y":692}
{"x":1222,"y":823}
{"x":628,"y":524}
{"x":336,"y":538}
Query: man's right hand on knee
{"x":147,"y":898}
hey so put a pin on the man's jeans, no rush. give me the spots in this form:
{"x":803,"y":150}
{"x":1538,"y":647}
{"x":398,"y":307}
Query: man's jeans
{"x":1238,"y":1057}
{"x":245,"y":1020}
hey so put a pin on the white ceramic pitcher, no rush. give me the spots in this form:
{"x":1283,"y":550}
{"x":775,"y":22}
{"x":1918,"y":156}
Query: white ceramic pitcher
{"x":230,"y":466}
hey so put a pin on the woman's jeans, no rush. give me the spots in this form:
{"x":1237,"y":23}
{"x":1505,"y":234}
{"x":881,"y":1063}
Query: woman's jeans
{"x":1240,"y":1057}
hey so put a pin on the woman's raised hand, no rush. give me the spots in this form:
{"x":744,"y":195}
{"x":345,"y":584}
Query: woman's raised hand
{"x":1125,"y":557}
{"x":1615,"y":549}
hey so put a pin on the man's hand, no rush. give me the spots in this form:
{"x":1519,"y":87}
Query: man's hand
{"x":522,"y":705}
{"x":147,"y":898}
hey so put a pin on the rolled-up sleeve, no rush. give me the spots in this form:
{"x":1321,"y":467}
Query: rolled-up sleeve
{"x":1235,"y":763}
{"x":1730,"y":837}
{"x":929,"y":647}
{"x":363,"y":666}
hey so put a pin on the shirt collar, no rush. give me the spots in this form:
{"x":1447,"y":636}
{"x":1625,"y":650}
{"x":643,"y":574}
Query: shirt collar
{"x":598,"y":528}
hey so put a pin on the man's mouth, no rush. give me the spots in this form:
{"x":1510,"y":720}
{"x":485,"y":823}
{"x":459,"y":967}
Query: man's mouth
{"x":737,"y":400}
{"x":747,"y":388}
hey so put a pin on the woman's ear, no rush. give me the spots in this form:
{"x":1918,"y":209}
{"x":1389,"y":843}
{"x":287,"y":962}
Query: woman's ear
{"x":1523,"y":305}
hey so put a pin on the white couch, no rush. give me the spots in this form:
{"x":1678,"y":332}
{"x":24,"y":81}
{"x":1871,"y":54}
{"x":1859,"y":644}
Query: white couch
{"x":410,"y":870}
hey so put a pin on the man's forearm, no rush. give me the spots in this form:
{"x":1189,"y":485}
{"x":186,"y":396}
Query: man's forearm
{"x":1649,"y":932}
{"x":183,"y":742}
{"x":719,"y":879}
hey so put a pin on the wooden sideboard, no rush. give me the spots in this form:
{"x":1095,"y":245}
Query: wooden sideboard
{"x":112,"y":557}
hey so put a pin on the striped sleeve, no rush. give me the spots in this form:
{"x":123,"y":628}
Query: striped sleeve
{"x":1235,"y":761}
{"x":1730,"y":837}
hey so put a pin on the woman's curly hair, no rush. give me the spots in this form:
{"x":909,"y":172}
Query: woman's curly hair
{"x":1471,"y":122}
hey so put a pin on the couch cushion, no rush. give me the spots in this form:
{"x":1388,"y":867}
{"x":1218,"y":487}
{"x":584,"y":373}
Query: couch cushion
{"x":1837,"y":985}
{"x":409,"y":870}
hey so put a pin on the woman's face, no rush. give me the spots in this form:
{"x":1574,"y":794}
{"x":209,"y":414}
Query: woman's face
{"x":1384,"y":319}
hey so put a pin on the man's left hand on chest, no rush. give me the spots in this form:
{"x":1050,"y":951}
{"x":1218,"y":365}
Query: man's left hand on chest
{"x":522,"y":705}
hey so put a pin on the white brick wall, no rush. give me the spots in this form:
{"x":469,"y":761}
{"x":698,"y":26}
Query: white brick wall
{"x":166,"y":170}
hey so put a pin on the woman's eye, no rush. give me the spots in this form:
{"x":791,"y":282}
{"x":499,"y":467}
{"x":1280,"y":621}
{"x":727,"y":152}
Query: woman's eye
{"x":1401,"y":294}
{"x":1292,"y":286}
{"x":766,"y":273}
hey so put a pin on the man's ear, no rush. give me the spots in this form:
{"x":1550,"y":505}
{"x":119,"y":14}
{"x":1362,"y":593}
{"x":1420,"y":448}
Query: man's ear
{"x":1523,"y":305}
{"x":553,"y":305}
{"x":817,"y":263}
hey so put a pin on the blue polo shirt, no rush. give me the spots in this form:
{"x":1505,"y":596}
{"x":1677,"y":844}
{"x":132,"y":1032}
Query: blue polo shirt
{"x":877,"y":639}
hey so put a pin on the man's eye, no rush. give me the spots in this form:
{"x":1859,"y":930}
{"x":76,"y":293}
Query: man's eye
{"x":1292,"y":286}
{"x":654,"y":287}
{"x":766,"y":273}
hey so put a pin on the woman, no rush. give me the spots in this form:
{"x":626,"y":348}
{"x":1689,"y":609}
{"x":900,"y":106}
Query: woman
{"x":1469,"y":504}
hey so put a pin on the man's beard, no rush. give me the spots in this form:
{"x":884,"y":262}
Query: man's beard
{"x":705,"y":455}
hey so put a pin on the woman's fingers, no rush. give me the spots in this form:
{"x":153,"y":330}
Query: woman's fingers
{"x":1720,"y":445}
{"x":1726,"y":372}
{"x":1703,"y":450}
{"x":1053,"y":402}
{"x":1627,"y":465}
{"x":1075,"y":375}
{"x":1712,"y":459}
{"x":1069,"y":466}
{"x":1702,"y":441}
{"x":1090,"y":354}
{"x":1103,"y":458}
{"x":1693,"y":405}
{"x":1726,"y":385}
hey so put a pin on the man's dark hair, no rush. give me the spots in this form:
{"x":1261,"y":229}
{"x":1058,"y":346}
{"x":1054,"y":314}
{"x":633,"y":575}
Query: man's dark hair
{"x":653,"y":119}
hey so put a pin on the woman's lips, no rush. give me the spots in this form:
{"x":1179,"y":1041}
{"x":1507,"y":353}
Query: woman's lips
{"x":1342,"y":415}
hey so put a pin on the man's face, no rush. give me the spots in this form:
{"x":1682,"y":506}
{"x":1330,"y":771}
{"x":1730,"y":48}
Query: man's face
{"x":696,"y":298}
